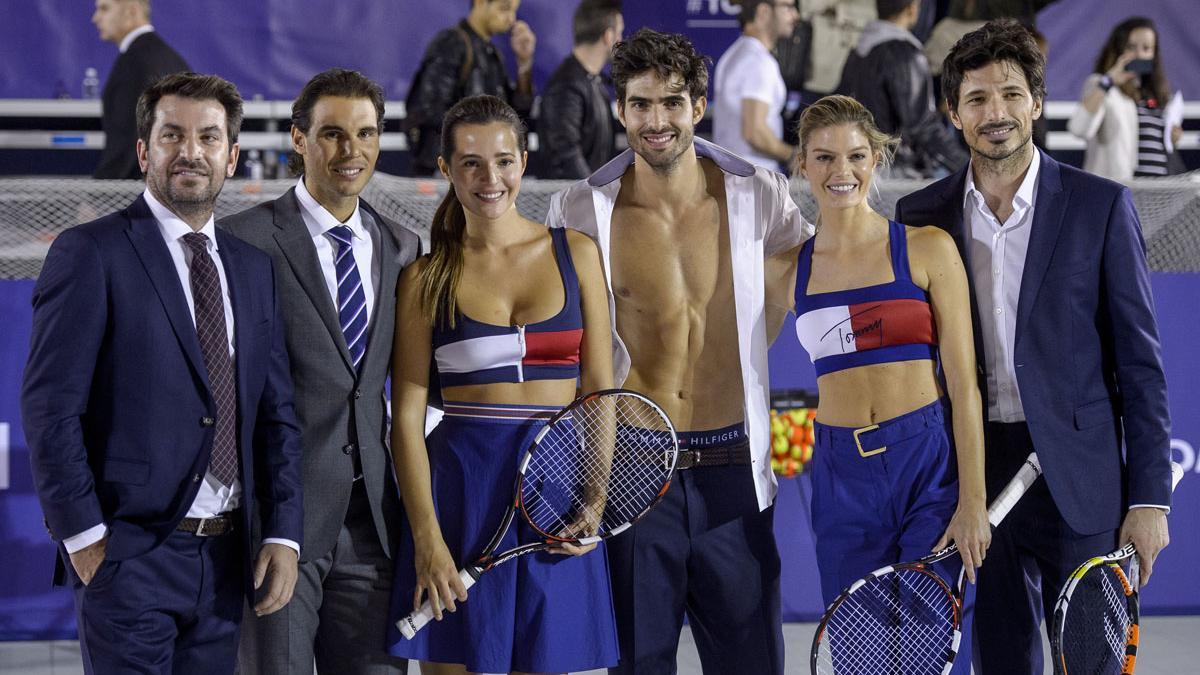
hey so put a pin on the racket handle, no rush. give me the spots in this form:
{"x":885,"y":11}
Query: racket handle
{"x":1011,"y":494}
{"x":414,"y":622}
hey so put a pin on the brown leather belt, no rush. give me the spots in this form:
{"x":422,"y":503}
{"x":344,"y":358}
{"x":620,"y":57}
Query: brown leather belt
{"x":210,"y":527}
{"x":736,"y":454}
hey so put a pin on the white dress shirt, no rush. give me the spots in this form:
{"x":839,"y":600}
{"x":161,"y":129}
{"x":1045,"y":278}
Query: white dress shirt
{"x":997,"y":262}
{"x":763,"y":221}
{"x":747,"y":70}
{"x":319,"y":222}
{"x":133,"y":35}
{"x":213,"y":498}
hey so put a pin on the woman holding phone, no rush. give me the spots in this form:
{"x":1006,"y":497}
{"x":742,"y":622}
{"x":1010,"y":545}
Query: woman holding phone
{"x":1127,"y":114}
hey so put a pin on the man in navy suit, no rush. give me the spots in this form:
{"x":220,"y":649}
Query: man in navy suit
{"x":1067,"y":342}
{"x":157,"y":403}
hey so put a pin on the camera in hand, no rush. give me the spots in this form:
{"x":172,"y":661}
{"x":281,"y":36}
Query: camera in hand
{"x":1140,"y":66}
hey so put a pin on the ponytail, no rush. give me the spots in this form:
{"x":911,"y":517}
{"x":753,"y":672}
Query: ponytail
{"x":439,"y":278}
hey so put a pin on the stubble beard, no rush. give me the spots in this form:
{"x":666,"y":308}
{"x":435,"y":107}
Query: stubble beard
{"x":665,"y":164}
{"x":1009,"y":162}
{"x":189,"y":203}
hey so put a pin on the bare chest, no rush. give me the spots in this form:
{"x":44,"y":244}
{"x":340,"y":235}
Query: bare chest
{"x":661,"y":259}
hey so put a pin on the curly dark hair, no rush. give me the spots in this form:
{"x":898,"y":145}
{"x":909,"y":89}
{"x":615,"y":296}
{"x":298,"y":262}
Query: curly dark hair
{"x":667,"y":54}
{"x":996,"y":41}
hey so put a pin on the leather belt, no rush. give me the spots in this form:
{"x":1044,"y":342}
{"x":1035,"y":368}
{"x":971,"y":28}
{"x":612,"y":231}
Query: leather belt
{"x":736,"y":454}
{"x":210,"y":527}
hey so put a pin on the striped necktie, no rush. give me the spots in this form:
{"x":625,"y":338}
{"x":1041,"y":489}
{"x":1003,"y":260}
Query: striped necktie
{"x":209,"y":303}
{"x":352,"y":301}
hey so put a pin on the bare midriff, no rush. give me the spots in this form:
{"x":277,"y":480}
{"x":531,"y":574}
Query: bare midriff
{"x":859,"y":397}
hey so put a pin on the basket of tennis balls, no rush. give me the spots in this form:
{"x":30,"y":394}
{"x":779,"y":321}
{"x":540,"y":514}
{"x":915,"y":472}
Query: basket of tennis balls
{"x":791,"y":440}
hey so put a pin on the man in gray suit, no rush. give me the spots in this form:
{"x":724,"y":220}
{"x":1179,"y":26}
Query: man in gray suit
{"x":336,"y":263}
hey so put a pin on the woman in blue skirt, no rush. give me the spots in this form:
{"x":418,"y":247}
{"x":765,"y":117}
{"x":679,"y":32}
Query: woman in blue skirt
{"x":884,"y":312}
{"x":515,"y":317}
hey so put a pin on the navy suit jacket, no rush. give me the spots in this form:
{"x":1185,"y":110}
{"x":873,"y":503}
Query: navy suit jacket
{"x":116,"y":393}
{"x":1087,"y":354}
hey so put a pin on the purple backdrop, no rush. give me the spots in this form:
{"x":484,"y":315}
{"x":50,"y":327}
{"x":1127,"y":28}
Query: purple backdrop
{"x":271,"y":47}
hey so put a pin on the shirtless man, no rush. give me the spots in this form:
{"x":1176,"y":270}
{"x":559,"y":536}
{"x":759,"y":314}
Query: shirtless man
{"x":684,"y":227}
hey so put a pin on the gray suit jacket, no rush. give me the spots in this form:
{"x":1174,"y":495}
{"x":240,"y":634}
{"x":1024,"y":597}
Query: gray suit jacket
{"x":341,"y":414}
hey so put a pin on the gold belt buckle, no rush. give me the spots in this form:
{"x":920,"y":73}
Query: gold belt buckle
{"x":858,"y":441}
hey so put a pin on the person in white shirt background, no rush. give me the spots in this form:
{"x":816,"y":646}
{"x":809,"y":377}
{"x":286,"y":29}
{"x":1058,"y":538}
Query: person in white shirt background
{"x":750,"y":92}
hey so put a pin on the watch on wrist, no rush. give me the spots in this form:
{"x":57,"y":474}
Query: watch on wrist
{"x":1106,"y":82}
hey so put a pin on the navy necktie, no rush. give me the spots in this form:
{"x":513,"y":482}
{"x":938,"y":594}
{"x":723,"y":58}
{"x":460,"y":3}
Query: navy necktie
{"x":209,"y":303}
{"x":352,"y":301}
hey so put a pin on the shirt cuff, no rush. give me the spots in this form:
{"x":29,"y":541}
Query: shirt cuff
{"x":286,"y":542}
{"x":1166,"y":509}
{"x":86,"y":538}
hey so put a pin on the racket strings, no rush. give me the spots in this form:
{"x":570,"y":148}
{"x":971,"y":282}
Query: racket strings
{"x":599,"y":468}
{"x":1097,"y":622}
{"x":902,"y":622}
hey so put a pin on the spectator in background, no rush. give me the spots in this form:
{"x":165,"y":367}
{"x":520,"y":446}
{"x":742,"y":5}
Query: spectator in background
{"x":888,"y":73}
{"x":576,"y":118}
{"x":749,"y":88}
{"x":143,"y":60}
{"x":461,"y":61}
{"x":1125,"y":117}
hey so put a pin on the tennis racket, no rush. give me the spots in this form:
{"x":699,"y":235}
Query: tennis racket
{"x":594,"y":470}
{"x":904,"y":618}
{"x":1095,"y":627}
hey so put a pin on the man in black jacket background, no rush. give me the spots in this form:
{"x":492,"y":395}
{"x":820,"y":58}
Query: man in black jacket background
{"x":576,"y":119}
{"x":144,"y":59}
{"x":888,"y":73}
{"x":461,"y":61}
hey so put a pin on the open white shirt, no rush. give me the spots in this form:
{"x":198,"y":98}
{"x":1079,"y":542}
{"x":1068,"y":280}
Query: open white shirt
{"x":763,"y":221}
{"x":213,"y":498}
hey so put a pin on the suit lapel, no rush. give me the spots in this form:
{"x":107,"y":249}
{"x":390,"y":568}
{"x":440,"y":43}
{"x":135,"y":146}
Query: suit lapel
{"x":152,"y":251}
{"x":296,"y":243}
{"x":1047,"y":222}
{"x":389,"y":269}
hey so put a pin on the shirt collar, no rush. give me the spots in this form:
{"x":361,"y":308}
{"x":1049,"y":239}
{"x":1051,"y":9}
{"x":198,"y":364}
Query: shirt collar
{"x":320,"y":220}
{"x":133,"y":35}
{"x":724,"y":159}
{"x":173,"y":227}
{"x":1025,"y":191}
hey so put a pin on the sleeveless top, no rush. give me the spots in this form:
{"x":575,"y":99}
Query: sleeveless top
{"x":868,"y":325}
{"x":474,"y":352}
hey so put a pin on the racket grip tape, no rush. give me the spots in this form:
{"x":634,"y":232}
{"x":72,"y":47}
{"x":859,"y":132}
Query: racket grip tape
{"x":1011,"y":494}
{"x":411,"y":624}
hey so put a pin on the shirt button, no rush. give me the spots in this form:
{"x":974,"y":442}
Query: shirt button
{"x":348,"y":449}
{"x":999,"y":311}
{"x":207,"y":421}
{"x":357,"y":394}
{"x":196,"y":478}
{"x":996,"y":271}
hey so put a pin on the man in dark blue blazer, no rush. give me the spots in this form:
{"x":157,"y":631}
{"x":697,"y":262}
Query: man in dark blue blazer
{"x":1067,"y":343}
{"x":157,"y":404}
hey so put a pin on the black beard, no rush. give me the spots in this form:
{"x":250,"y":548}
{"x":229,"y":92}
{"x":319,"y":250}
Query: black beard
{"x":666,"y":165}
